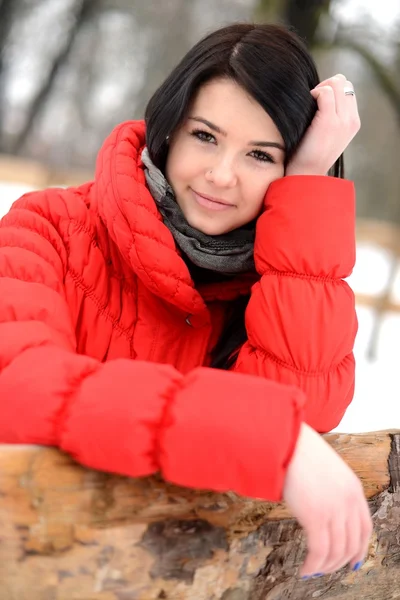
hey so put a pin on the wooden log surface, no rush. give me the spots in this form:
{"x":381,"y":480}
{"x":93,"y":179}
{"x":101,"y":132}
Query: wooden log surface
{"x":69,"y":533}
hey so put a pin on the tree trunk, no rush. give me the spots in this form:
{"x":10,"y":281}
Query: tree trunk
{"x":301,"y":15}
{"x":304,"y":17}
{"x":69,"y":533}
{"x":85,"y":11}
{"x":7,"y":9}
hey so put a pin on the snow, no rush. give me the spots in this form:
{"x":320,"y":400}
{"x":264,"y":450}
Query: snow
{"x":376,"y":404}
{"x":9,"y":192}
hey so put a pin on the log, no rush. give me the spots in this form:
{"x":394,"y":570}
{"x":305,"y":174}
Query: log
{"x":70,"y":533}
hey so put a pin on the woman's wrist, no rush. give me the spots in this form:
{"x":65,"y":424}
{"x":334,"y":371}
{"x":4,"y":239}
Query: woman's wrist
{"x":308,"y":171}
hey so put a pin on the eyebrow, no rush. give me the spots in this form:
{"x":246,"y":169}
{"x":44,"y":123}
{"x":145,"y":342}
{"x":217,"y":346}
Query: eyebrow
{"x":217,"y":129}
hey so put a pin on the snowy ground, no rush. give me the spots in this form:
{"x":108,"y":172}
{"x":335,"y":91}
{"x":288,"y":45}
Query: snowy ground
{"x":376,"y":404}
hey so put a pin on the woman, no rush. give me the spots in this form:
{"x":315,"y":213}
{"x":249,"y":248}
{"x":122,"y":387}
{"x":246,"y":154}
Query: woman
{"x":189,"y":302}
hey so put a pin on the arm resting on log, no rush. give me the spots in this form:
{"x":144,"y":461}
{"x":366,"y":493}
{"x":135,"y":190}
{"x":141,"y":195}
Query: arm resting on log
{"x":68,"y":532}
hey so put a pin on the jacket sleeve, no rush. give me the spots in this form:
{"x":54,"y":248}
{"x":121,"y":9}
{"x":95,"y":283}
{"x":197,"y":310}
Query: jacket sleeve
{"x":129,"y":417}
{"x":301,"y":321}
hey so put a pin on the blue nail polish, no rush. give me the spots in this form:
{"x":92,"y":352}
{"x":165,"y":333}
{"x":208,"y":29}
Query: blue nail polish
{"x":358,"y":566}
{"x":306,"y":577}
{"x":319,"y":575}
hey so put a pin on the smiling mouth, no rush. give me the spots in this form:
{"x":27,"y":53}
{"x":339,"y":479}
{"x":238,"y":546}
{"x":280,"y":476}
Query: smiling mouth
{"x":210,"y":202}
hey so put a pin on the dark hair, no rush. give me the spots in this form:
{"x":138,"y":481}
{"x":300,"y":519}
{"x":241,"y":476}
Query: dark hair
{"x":274,"y":66}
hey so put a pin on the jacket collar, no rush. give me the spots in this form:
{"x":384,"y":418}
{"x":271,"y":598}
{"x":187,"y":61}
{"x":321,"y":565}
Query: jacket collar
{"x":134,"y":223}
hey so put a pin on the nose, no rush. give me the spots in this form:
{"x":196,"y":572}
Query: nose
{"x":222,"y":173}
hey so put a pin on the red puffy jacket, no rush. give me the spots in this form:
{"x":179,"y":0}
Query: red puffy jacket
{"x":104,"y":341}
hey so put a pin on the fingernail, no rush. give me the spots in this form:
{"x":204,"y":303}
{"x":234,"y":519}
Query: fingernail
{"x":306,"y":577}
{"x":319,"y":575}
{"x":358,"y":566}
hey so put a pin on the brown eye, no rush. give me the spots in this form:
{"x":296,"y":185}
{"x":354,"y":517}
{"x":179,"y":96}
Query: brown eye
{"x":262,"y":156}
{"x":203,"y":136}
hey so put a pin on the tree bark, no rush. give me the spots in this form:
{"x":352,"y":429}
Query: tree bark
{"x":69,"y":533}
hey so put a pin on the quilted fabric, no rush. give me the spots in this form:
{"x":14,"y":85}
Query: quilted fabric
{"x":105,"y":342}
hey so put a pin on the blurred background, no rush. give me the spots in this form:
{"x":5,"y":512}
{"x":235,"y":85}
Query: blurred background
{"x":72,"y":69}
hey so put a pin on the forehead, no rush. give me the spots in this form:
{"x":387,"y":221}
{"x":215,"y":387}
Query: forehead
{"x":230,"y":107}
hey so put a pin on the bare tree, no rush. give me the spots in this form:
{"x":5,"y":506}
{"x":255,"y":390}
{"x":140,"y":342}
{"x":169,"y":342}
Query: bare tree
{"x":7,"y":10}
{"x":302,"y":15}
{"x":83,"y":13}
{"x":170,"y":37}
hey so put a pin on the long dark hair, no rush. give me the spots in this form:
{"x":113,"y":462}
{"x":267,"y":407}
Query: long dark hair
{"x":274,"y":66}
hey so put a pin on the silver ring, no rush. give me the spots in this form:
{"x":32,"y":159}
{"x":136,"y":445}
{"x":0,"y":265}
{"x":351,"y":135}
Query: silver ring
{"x":349,"y":91}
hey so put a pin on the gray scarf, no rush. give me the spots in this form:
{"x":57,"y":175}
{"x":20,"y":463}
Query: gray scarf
{"x":230,"y":253}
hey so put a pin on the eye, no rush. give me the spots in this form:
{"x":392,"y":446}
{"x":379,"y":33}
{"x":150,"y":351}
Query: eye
{"x":262,"y":156}
{"x":203,"y":136}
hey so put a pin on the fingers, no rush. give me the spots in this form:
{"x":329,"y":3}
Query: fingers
{"x":343,"y":534}
{"x":338,"y":84}
{"x":339,"y":542}
{"x":350,"y":110}
{"x":329,"y":547}
{"x":325,"y":97}
{"x":345,"y":104}
{"x":318,"y":543}
{"x":365,"y":538}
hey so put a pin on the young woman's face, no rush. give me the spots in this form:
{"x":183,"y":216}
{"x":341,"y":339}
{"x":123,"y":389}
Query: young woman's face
{"x":223,"y":158}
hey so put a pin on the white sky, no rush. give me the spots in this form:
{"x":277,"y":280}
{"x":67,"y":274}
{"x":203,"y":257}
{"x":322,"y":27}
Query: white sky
{"x":385,"y":13}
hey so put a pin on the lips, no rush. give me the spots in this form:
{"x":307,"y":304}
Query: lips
{"x":210,"y":202}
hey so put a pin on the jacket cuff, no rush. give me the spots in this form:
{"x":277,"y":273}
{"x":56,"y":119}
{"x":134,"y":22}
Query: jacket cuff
{"x":113,"y":423}
{"x":231,"y":432}
{"x":308,"y":227}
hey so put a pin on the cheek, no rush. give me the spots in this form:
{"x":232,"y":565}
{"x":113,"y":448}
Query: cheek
{"x":183,"y":165}
{"x":255,"y":207}
{"x":256,"y":190}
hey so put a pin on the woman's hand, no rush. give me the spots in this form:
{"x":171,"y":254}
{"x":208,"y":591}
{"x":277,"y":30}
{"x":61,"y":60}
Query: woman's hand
{"x":335,"y":124}
{"x":327,"y":499}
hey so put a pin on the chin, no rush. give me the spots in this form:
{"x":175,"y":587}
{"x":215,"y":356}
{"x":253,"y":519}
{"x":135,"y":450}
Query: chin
{"x":209,"y":227}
